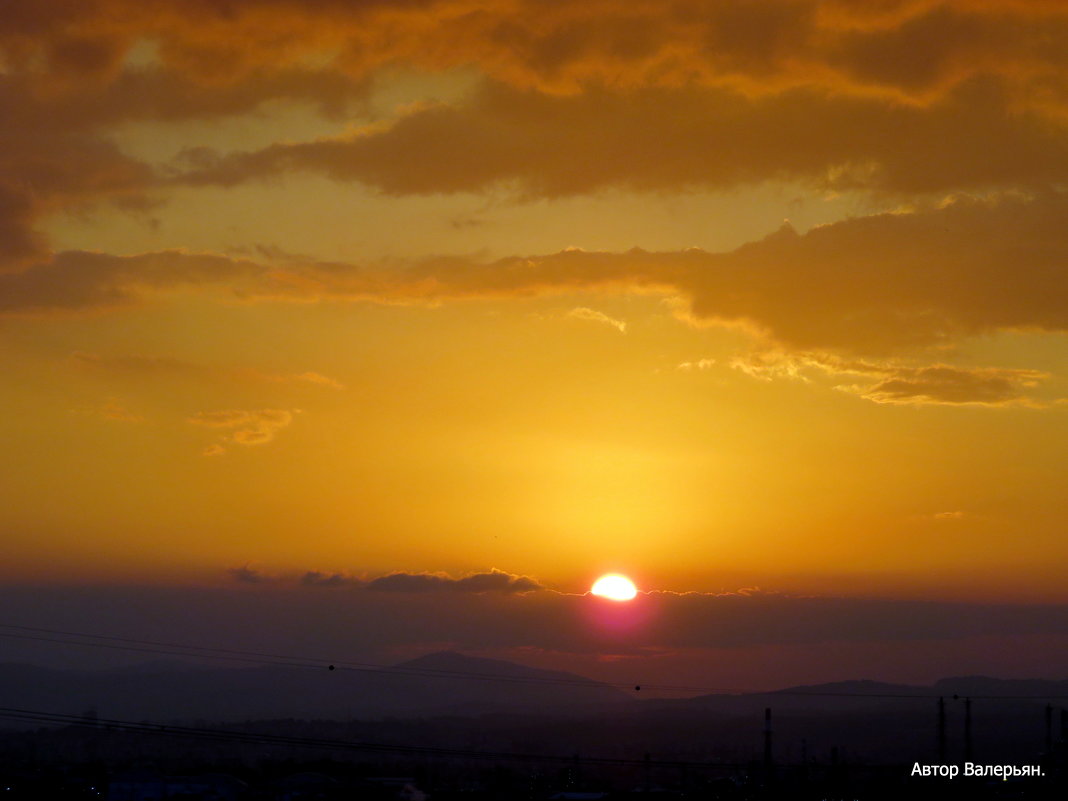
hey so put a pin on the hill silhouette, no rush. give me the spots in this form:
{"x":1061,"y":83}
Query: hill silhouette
{"x":444,"y":683}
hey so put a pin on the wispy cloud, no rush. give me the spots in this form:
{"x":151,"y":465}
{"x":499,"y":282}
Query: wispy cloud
{"x":696,"y":366}
{"x":955,"y":515}
{"x":247,"y":427}
{"x":894,"y":383}
{"x":594,"y":316}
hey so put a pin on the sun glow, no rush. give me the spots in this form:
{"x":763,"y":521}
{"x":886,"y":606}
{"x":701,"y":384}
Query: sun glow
{"x":614,"y":588}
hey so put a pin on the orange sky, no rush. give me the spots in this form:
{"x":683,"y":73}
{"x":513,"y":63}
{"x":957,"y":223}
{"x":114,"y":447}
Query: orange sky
{"x":718,"y":295}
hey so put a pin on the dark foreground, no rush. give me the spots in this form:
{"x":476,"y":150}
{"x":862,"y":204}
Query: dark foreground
{"x":290,"y":760}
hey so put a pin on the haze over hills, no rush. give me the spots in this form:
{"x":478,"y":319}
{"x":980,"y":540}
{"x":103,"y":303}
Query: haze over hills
{"x":436,"y":684}
{"x":443,"y":683}
{"x":449,"y":699}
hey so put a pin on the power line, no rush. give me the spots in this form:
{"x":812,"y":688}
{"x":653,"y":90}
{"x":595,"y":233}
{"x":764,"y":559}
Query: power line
{"x":283,"y":660}
{"x":170,"y":652}
{"x":258,"y":657}
{"x":104,"y":725}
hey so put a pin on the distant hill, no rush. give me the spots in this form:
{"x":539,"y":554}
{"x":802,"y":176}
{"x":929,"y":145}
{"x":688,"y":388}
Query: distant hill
{"x":437,"y":684}
{"x":863,"y":694}
{"x":986,"y":686}
{"x":530,"y":707}
{"x":479,"y":701}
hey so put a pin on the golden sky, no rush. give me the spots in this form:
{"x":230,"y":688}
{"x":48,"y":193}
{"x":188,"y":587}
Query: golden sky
{"x":716,"y":294}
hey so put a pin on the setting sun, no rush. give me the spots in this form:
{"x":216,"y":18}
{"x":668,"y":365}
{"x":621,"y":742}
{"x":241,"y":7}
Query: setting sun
{"x":614,"y":588}
{"x":365,"y":329}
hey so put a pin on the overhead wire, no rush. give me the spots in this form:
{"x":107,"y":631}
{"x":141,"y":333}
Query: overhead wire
{"x":287,"y":660}
{"x":265,"y":738}
{"x":111,"y":642}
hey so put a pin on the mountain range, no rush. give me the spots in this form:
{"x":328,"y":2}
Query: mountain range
{"x":478,"y":702}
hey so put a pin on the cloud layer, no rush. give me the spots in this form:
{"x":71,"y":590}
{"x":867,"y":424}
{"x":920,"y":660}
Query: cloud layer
{"x":494,"y":581}
{"x":473,"y":616}
{"x":892,"y":383}
{"x":872,"y":284}
{"x":681,"y":138}
{"x":898,"y":97}
{"x":491,"y":581}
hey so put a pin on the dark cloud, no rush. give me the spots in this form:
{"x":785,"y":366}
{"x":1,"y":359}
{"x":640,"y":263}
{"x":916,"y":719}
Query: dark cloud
{"x":910,"y":48}
{"x":926,"y":97}
{"x":81,"y":281}
{"x":56,"y":152}
{"x":495,"y":581}
{"x":19,"y":245}
{"x":681,"y":138}
{"x":155,"y":93}
{"x":44,"y":170}
{"x":315,"y":578}
{"x":247,"y":575}
{"x":899,"y":98}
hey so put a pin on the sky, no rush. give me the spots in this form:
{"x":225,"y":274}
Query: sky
{"x":435,"y":311}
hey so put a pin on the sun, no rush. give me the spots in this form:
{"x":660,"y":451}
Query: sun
{"x":614,"y":587}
